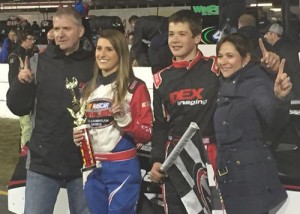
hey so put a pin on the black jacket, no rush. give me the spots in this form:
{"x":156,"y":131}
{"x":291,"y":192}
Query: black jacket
{"x":288,"y":50}
{"x":246,"y":104}
{"x":52,"y":149}
{"x":145,"y":29}
{"x":184,"y":92}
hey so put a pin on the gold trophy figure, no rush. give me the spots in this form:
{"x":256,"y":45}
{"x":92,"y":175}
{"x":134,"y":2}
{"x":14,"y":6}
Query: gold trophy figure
{"x":77,"y":112}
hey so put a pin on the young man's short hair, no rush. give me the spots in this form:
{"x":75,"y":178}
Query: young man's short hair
{"x":193,"y":19}
{"x":23,"y":35}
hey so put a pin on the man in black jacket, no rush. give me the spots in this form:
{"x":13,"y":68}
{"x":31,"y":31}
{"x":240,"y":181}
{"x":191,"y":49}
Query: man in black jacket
{"x":54,"y":160}
{"x":285,"y":49}
{"x":149,"y":38}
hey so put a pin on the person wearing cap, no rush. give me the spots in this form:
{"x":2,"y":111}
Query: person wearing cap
{"x":285,"y":49}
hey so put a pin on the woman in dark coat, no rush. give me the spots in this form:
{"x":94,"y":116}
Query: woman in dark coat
{"x":248,"y":102}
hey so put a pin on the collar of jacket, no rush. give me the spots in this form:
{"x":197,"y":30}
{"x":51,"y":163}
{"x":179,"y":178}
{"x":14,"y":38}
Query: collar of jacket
{"x":187,"y":64}
{"x":229,"y":84}
{"x":107,"y":80}
{"x":20,"y":51}
{"x":278,"y":44}
{"x":54,"y":51}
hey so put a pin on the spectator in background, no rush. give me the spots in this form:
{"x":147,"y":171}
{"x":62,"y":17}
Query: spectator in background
{"x":36,"y":30}
{"x":50,"y":35}
{"x":9,"y":25}
{"x":230,"y":11}
{"x":50,"y":38}
{"x":263,"y":21}
{"x":247,"y":27}
{"x":16,"y":62}
{"x":18,"y":24}
{"x":26,"y":26}
{"x":9,"y":44}
{"x":149,"y":37}
{"x":285,"y":49}
{"x":130,"y":38}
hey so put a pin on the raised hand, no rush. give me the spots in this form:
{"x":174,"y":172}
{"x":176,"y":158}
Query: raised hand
{"x":269,"y":59}
{"x":25,"y":75}
{"x":283,"y":85}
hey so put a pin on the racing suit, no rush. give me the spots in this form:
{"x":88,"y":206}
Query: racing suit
{"x":114,"y":187}
{"x":184,"y":92}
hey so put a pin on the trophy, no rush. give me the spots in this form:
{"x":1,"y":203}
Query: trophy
{"x":77,"y":112}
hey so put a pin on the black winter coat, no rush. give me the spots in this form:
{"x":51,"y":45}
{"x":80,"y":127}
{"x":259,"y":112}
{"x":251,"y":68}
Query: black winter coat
{"x":52,"y":150}
{"x":247,"y":172}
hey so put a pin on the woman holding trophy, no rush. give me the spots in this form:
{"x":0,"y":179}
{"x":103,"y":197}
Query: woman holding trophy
{"x":118,"y":112}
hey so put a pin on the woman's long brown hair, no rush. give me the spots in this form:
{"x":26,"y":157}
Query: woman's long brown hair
{"x":125,"y":72}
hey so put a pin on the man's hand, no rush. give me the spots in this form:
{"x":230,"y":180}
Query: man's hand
{"x":25,"y":75}
{"x":78,"y":136}
{"x":269,"y":60}
{"x":156,"y":175}
{"x":283,"y":85}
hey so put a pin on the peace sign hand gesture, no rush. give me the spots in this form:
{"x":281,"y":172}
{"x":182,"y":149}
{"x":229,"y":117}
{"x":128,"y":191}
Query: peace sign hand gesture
{"x":283,"y":85}
{"x":25,"y":75}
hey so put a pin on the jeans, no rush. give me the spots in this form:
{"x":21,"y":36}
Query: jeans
{"x":41,"y":193}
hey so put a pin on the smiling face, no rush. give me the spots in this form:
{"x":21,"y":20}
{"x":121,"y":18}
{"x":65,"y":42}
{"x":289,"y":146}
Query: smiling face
{"x":106,"y":57}
{"x":229,"y":59}
{"x":181,"y":41}
{"x":67,"y":33}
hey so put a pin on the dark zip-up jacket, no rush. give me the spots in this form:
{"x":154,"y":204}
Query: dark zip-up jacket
{"x":52,"y":150}
{"x":248,"y":177}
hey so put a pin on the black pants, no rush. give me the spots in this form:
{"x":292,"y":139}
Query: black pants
{"x":173,"y":202}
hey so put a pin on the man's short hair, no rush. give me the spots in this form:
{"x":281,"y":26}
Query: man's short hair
{"x":247,"y":20}
{"x":132,"y":18}
{"x":69,"y":11}
{"x":194,"y":20}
